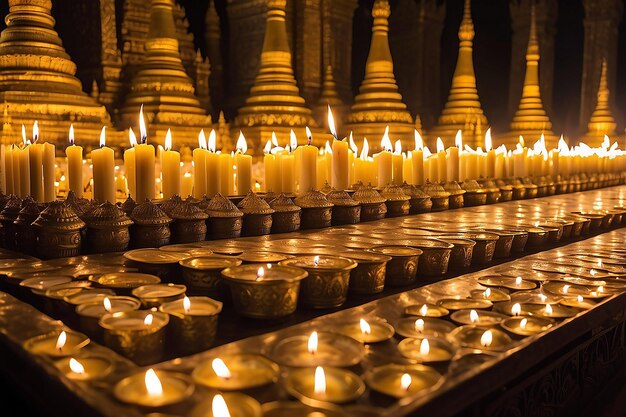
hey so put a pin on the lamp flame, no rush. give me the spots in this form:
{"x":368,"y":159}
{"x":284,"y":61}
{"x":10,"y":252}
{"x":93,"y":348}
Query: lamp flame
{"x":61,"y":340}
{"x":565,"y":288}
{"x":219,"y":407}
{"x":242,"y":145}
{"x":143,"y":134}
{"x":424,"y":310}
{"x":316,"y":260}
{"x":352,"y":145}
{"x":365,"y":327}
{"x":579,"y":298}
{"x":487,"y":293}
{"x":309,"y":135}
{"x":518,"y":281}
{"x":523,"y":323}
{"x":186,"y":304}
{"x":268,"y":147}
{"x":424,"y":347}
{"x":76,"y":367}
{"x":260,"y":273}
{"x":153,"y":384}
{"x":486,"y":339}
{"x":405,"y":381}
{"x":35,"y":131}
{"x":24,"y":140}
{"x":132,"y":138}
{"x":548,"y":309}
{"x":103,"y":137}
{"x":458,"y":139}
{"x":488,"y":144}
{"x":312,"y":343}
{"x":440,"y":147}
{"x":398,"y":147}
{"x":331,"y":122}
{"x":107,"y":304}
{"x":419,"y":143}
{"x":516,"y":310}
{"x":328,"y":149}
{"x":220,"y":368}
{"x":274,"y":139}
{"x":385,"y":142}
{"x":365,"y":151}
{"x":168,"y":140}
{"x":419,"y":325}
{"x":202,"y":140}
{"x":148,"y":320}
{"x":473,"y":316}
{"x":71,"y":134}
{"x":320,"y":381}
{"x":293,"y":140}
{"x":212,"y":144}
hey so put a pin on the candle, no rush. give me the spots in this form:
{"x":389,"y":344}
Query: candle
{"x":407,"y":167}
{"x":49,"y":193}
{"x":481,"y":319}
{"x":271,"y":167}
{"x":527,"y":326}
{"x":243,"y":163}
{"x":400,"y":381}
{"x":103,"y":171}
{"x":324,"y":384}
{"x":352,"y":152}
{"x":186,"y":185}
{"x":57,"y":343}
{"x":397,"y":164}
{"x":129,"y":164}
{"x":286,"y":165}
{"x":367,"y":331}
{"x":85,"y":368}
{"x":478,"y":338}
{"x":384,"y":161}
{"x":442,"y":173}
{"x":424,"y":350}
{"x":307,"y":176}
{"x":227,"y":164}
{"x":23,"y":166}
{"x":236,"y":372}
{"x":318,"y":349}
{"x":452,"y":163}
{"x":144,"y":165}
{"x":9,"y":176}
{"x":170,"y":168}
{"x":426,"y":310}
{"x":490,"y":161}
{"x":340,"y":167}
{"x":199,"y":166}
{"x":423,"y":327}
{"x":74,"y":155}
{"x":418,"y":159}
{"x":212,"y":167}
{"x":35,"y":157}
{"x":154,"y":388}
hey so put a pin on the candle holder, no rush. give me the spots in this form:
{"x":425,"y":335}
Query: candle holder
{"x":456,"y":199}
{"x":327,"y":283}
{"x":532,"y":190}
{"x":340,"y":386}
{"x":477,"y":318}
{"x":435,"y":258}
{"x":426,"y":350}
{"x":504,"y":244}
{"x":85,"y":368}
{"x":526,"y":326}
{"x":286,"y":216}
{"x":193,"y":325}
{"x":423,"y":327}
{"x":475,"y":195}
{"x":493,"y":191}
{"x":426,"y":310}
{"x":402,"y":268}
{"x":438,"y":195}
{"x":542,"y":186}
{"x":236,"y":372}
{"x":154,"y":295}
{"x":555,"y":230}
{"x":54,"y":298}
{"x":567,"y":225}
{"x":238,"y":405}
{"x":174,"y":388}
{"x":420,"y":202}
{"x":90,"y":295}
{"x":455,"y":304}
{"x":292,"y":408}
{"x":346,"y":210}
{"x":397,"y":202}
{"x":519,"y":190}
{"x":474,"y":337}
{"x":515,"y":284}
{"x":329,"y":349}
{"x":58,"y":231}
{"x":257,"y":215}
{"x":202,"y":275}
{"x":506,"y":190}
{"x":391,"y":380}
{"x":372,"y":330}
{"x":90,"y":313}
{"x":484,"y":248}
{"x":267,"y":295}
{"x":492,"y":294}
{"x":58,"y":343}
{"x":225,"y":219}
{"x":124,"y":282}
{"x":25,"y":237}
{"x":373,"y":205}
{"x":537,"y":237}
{"x":170,"y":204}
{"x":562,"y":186}
{"x":520,"y":237}
{"x":107,"y":229}
{"x":7,"y":216}
{"x":369,"y":275}
{"x":128,"y":205}
{"x":135,"y":335}
{"x":316,"y":210}
{"x":189,"y":223}
{"x":80,"y":206}
{"x":461,"y":254}
{"x":151,"y":226}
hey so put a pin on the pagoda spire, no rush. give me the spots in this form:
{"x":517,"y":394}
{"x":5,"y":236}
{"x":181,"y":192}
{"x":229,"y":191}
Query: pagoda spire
{"x":463,"y":110}
{"x":601,"y":121}
{"x":37,"y":76}
{"x":162,"y":85}
{"x":274,"y":102}
{"x":379,"y":104}
{"x":329,"y":97}
{"x":530,"y":119}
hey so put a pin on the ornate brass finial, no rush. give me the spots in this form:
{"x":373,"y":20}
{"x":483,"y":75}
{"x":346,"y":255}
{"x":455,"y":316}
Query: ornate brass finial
{"x":379,"y":104}
{"x":601,"y":121}
{"x":162,"y":85}
{"x":463,"y":110}
{"x":530,"y":119}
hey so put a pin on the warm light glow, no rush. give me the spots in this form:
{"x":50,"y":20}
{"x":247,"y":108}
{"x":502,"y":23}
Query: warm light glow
{"x":331,"y":122}
{"x":143,"y":133}
{"x":268,"y":147}
{"x":458,"y":139}
{"x":312,"y":343}
{"x":543,"y":297}
{"x":76,"y":367}
{"x":61,"y":340}
{"x":220,"y":368}
{"x":132,"y":138}
{"x":365,"y":151}
{"x":473,"y":316}
{"x":35,"y":131}
{"x":24,"y":140}
{"x":522,"y":324}
{"x":107,"y":304}
{"x":148,"y":320}
{"x":352,"y":145}
{"x":516,"y":310}
{"x":103,"y":137}
{"x":548,"y":309}
{"x":405,"y":381}
{"x":274,"y":139}
{"x":600,"y":289}
{"x":518,"y":281}
{"x":365,"y":327}
{"x":419,"y":325}
{"x":202,"y":140}
{"x":293,"y":140}
{"x":488,"y":144}
{"x":440,"y":147}
{"x":168,"y":140}
{"x":212,"y":144}
{"x":565,"y":288}
{"x":419,"y":143}
{"x":242,"y":145}
{"x":487,"y":293}
{"x":398,"y":147}
{"x":319,"y":386}
{"x":328,"y":149}
{"x":153,"y":384}
{"x":424,"y":310}
{"x":486,"y":339}
{"x":309,"y":135}
{"x":316,"y":260}
{"x":71,"y":134}
{"x":219,"y":407}
{"x":186,"y":304}
{"x":592,"y":272}
{"x":599,"y":263}
{"x":579,"y":298}
{"x":260,"y":273}
{"x":385,"y":142}
{"x":424,"y":347}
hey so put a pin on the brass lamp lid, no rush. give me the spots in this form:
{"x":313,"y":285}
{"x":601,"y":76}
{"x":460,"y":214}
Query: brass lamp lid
{"x":435,"y":190}
{"x":472,"y":186}
{"x":107,"y":215}
{"x":12,"y":209}
{"x":253,"y":204}
{"x":128,"y":205}
{"x":341,"y":198}
{"x":169,"y":205}
{"x":81,"y":206}
{"x":313,"y":199}
{"x":188,"y":211}
{"x":148,"y":213}
{"x":59,"y":216}
{"x":220,"y":206}
{"x":284,"y":204}
{"x":29,"y":212}
{"x":368,"y":195}
{"x":394,"y":193}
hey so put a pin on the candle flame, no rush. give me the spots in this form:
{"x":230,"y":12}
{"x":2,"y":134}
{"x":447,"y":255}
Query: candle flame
{"x":220,"y":369}
{"x":398,"y":147}
{"x":548,"y":309}
{"x":353,"y":147}
{"x":260,"y":273}
{"x":103,"y":138}
{"x":212,"y":144}
{"x":132,"y":138}
{"x":365,"y":150}
{"x":35,"y":131}
{"x":148,"y":320}
{"x":293,"y":140}
{"x":488,"y":144}
{"x":419,"y":143}
{"x":473,"y":316}
{"x":419,"y":325}
{"x":440,"y":147}
{"x":320,"y":381}
{"x":268,"y":147}
{"x":71,"y":134}
{"x":424,"y":310}
{"x":168,"y":140}
{"x":202,"y":140}
{"x":565,"y":288}
{"x":219,"y":407}
{"x":309,"y":135}
{"x":405,"y":381}
{"x":274,"y":139}
{"x":543,"y":297}
{"x":579,"y":298}
{"x":312,"y":343}
{"x":186,"y":304}
{"x":365,"y":327}
{"x":385,"y":142}
{"x":76,"y":367}
{"x":599,"y":263}
{"x":24,"y":140}
{"x":331,"y":122}
{"x":143,"y":134}
{"x":242,"y":145}
{"x":424,"y":347}
{"x":523,"y":323}
{"x":516,"y":310}
{"x":486,"y":339}
{"x":518,"y":281}
{"x":107,"y":304}
{"x":458,"y":140}
{"x":153,"y":384}
{"x":487,"y":293}
{"x":592,"y":272}
{"x":600,"y":288}
{"x":61,"y":340}
{"x":328,"y":149}
{"x":316,"y":260}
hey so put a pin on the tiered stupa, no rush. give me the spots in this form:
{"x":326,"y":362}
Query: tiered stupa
{"x":37,"y":79}
{"x":329,"y":97}
{"x":162,"y":85}
{"x":601,"y":121}
{"x":274,"y":103}
{"x":462,"y":110}
{"x":530,"y":119}
{"x":379,"y":103}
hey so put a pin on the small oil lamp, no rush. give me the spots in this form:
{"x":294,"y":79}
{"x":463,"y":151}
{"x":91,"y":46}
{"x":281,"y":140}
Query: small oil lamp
{"x":423,"y":327}
{"x":400,"y":381}
{"x":526,"y":326}
{"x":318,"y":349}
{"x":474,"y":337}
{"x":426,"y":310}
{"x":367,"y":331}
{"x":154,"y":390}
{"x":57,"y":344}
{"x":484,"y":319}
{"x":331,"y":385}
{"x":85,"y":368}
{"x":236,"y":372}
{"x":426,"y":350}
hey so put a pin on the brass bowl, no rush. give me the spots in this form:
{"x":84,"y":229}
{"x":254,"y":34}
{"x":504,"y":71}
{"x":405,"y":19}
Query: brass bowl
{"x":316,"y":217}
{"x":346,"y":215}
{"x":223,"y":227}
{"x":256,"y":224}
{"x":202,"y":275}
{"x":285,"y":221}
{"x":440,"y":203}
{"x":435,"y":257}
{"x":402,"y":268}
{"x":420,"y":205}
{"x":455,"y":201}
{"x":562,"y":187}
{"x":506,"y":194}
{"x":187,"y":231}
{"x":493,"y":195}
{"x":519,"y":193}
{"x":396,"y":208}
{"x":475,"y":198}
{"x":531,"y":190}
{"x":150,"y":235}
{"x":461,"y":255}
{"x":504,"y":244}
{"x":537,"y":237}
{"x":373,"y":211}
{"x":370,"y":274}
{"x":520,"y":238}
{"x":484,"y":248}
{"x":555,"y":230}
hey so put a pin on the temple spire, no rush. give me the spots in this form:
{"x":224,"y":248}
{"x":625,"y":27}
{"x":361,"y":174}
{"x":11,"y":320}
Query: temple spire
{"x":274,"y":103}
{"x":601,"y":121}
{"x":379,"y":103}
{"x":463,"y":110}
{"x":329,"y":97}
{"x":530,"y":119}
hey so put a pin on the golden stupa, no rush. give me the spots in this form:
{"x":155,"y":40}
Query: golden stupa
{"x":530,"y":119}
{"x":463,"y":110}
{"x":379,"y":103}
{"x":274,"y":103}
{"x":163,"y":87}
{"x":37,"y":80}
{"x":329,"y":97}
{"x":601,"y":121}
